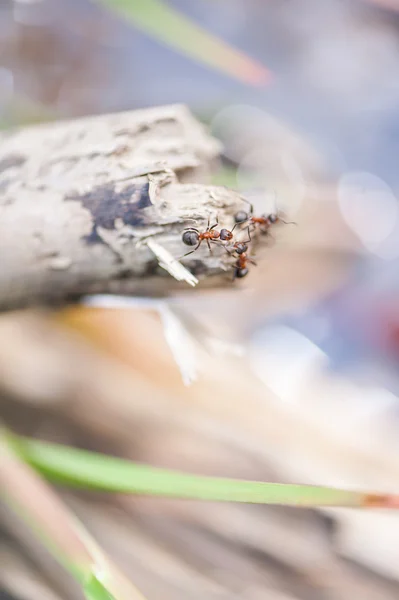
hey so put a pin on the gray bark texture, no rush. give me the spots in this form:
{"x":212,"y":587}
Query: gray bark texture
{"x":79,"y":198}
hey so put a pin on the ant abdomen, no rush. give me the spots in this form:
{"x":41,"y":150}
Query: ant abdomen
{"x":241,"y":216}
{"x":190,"y":238}
{"x":240,"y":273}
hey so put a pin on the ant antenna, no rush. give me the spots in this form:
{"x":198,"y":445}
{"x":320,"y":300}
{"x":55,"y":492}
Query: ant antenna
{"x":288,"y":222}
{"x":249,"y":237}
{"x":276,"y":209}
{"x":251,"y":206}
{"x":275,"y":200}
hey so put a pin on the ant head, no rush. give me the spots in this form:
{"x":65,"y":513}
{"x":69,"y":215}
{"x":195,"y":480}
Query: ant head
{"x":277,"y":218}
{"x":225,"y":235}
{"x":190,"y":237}
{"x":241,"y":216}
{"x":273,"y":218}
{"x":241,"y":248}
{"x":240,"y":273}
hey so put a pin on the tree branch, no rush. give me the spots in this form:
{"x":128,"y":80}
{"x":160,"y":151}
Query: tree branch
{"x":79,"y":199}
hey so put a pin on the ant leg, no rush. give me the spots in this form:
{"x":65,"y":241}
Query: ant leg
{"x":288,"y":222}
{"x":249,"y":238}
{"x":209,"y":222}
{"x":254,"y":227}
{"x":252,"y":262}
{"x":229,"y":253}
{"x":191,"y":251}
{"x":209,"y":246}
{"x":213,"y":226}
{"x":191,"y":229}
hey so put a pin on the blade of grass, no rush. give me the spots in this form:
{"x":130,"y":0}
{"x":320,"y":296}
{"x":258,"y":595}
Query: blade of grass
{"x":95,"y":590}
{"x":30,"y":498}
{"x":168,"y":26}
{"x":83,"y":469}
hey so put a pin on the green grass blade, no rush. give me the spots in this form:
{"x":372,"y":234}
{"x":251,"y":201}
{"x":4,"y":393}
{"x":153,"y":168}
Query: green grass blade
{"x":170,"y":27}
{"x":95,"y":590}
{"x":84,"y":469}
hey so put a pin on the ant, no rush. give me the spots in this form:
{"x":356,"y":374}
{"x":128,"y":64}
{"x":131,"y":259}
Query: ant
{"x":241,"y":249}
{"x":193,"y":237}
{"x":241,"y":265}
{"x":262,"y":223}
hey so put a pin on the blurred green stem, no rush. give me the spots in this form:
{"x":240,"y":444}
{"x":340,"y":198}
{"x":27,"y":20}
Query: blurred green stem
{"x":84,"y":469}
{"x":169,"y":26}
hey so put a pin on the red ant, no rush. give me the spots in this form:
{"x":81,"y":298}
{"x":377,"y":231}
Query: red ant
{"x":193,"y":236}
{"x":240,"y":266}
{"x":262,"y":223}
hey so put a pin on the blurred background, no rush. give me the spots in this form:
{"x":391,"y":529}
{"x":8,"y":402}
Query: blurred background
{"x":297,"y":368}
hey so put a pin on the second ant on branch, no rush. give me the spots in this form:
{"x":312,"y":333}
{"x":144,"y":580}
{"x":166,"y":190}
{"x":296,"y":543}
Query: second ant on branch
{"x":241,"y":250}
{"x":261,"y":223}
